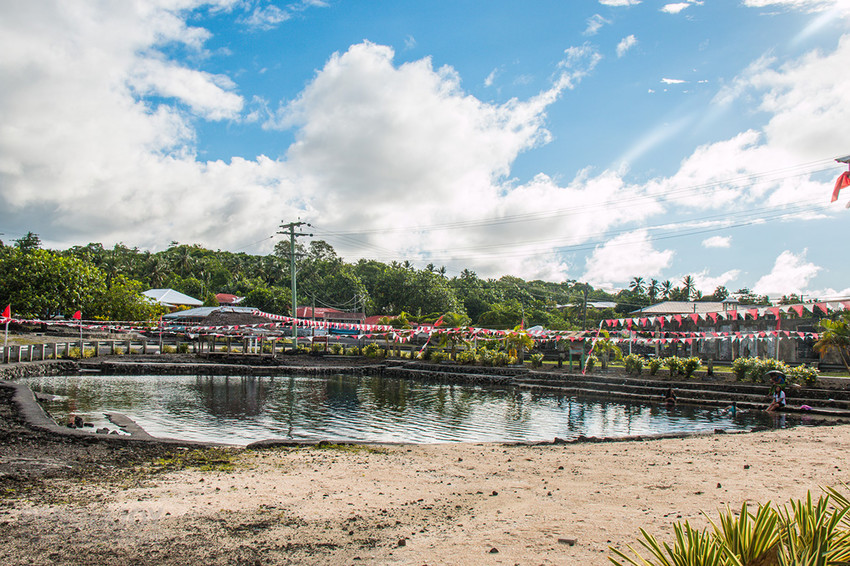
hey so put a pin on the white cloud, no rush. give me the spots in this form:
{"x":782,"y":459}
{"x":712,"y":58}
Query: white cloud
{"x":619,"y":2}
{"x":675,"y":8}
{"x":625,"y":44}
{"x":673,"y":81}
{"x":708,"y":284}
{"x":409,"y":42}
{"x":806,"y":5}
{"x":790,"y":274}
{"x":624,"y":256}
{"x":717,"y":242}
{"x":265,"y":17}
{"x":488,"y":82}
{"x":594,"y":24}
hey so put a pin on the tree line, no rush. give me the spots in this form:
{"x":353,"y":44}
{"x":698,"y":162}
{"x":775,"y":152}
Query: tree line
{"x":105,"y":283}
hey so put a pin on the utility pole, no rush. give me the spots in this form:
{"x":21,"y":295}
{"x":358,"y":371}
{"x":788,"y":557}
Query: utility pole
{"x":290,"y":229}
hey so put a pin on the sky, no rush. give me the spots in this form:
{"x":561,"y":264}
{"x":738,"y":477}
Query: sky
{"x":594,"y":141}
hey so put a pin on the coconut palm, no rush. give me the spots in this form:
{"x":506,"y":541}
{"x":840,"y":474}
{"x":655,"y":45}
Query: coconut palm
{"x":689,"y":285}
{"x":835,"y":337}
{"x":653,"y":289}
{"x":637,"y":285}
{"x":666,"y":287}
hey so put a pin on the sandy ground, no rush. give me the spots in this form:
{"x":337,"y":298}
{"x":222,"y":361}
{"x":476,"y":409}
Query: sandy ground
{"x":431,"y":504}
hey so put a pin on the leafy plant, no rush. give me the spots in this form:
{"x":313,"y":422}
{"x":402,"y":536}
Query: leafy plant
{"x":169,"y":349}
{"x":674,"y":364}
{"x":590,"y":362}
{"x":655,"y":365}
{"x":337,"y":349}
{"x":536,"y":360}
{"x":633,"y":363}
{"x":690,"y":365}
{"x":804,"y":374}
{"x":835,"y":337}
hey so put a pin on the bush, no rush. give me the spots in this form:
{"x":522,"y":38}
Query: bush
{"x":501,"y":359}
{"x":372,"y":350}
{"x":337,"y":349}
{"x":466,"y":357}
{"x":536,"y":360}
{"x":674,"y":364}
{"x":754,"y":369}
{"x":169,"y":350}
{"x":183,"y":347}
{"x":804,"y":374}
{"x":633,"y":363}
{"x":353,"y":351}
{"x":485,"y":357}
{"x":118,"y":351}
{"x":690,"y":365}
{"x":655,"y":365}
{"x":590,"y":362}
{"x":438,"y":357}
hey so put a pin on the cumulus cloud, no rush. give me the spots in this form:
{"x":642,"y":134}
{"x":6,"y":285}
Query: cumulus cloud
{"x":619,"y":259}
{"x":619,"y":2}
{"x":717,"y":242}
{"x":791,"y":273}
{"x":625,"y":44}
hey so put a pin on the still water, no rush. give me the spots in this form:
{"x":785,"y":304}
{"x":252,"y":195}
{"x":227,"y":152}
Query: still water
{"x":240,"y":410}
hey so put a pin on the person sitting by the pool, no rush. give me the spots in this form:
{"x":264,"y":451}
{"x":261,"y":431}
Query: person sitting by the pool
{"x":777,"y":379}
{"x":670,"y":396}
{"x":779,"y":401}
{"x":731,"y":410}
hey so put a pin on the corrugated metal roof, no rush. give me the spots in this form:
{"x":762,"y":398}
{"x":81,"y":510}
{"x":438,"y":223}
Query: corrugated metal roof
{"x":685,"y":307}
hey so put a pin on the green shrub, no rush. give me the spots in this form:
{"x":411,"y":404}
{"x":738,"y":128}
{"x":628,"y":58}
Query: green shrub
{"x":352,"y":351}
{"x":804,"y":374}
{"x":536,"y":360}
{"x":690,"y":365}
{"x":591,"y":362}
{"x":183,"y":347}
{"x":655,"y":365}
{"x":438,"y":357}
{"x":674,"y":364}
{"x":372,"y":350}
{"x":633,"y":363}
{"x":740,"y":367}
{"x":466,"y":357}
{"x":485,"y":356}
{"x":169,"y":350}
{"x":337,"y":349}
{"x":118,"y":351}
{"x":501,"y":358}
{"x":803,"y":532}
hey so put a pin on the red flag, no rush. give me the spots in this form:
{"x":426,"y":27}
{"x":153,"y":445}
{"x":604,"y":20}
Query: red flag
{"x":439,"y":321}
{"x":7,"y":312}
{"x":842,"y":181}
{"x":77,"y":315}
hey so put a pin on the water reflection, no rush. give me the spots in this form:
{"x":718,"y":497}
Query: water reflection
{"x":243,"y":409}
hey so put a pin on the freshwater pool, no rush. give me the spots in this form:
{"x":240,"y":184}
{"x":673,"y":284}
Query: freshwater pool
{"x":245,"y":409}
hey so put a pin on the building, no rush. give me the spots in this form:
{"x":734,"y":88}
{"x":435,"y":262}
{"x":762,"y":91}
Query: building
{"x":228,"y":300}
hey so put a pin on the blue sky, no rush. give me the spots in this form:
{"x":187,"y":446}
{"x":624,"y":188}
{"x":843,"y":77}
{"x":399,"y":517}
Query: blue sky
{"x":587,"y":140}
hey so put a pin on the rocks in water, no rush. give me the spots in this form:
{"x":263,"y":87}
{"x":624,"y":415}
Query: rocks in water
{"x":103,"y":430}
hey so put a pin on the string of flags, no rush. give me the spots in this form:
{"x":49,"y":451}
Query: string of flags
{"x":641,"y":330}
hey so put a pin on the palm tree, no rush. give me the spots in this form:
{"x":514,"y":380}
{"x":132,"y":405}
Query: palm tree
{"x":456,"y":334}
{"x":637,"y":285}
{"x":653,"y":289}
{"x":666,"y":287}
{"x":690,"y":286}
{"x":835,"y":337}
{"x":605,"y":347}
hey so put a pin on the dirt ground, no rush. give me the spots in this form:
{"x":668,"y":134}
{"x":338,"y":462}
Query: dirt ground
{"x":105,"y":501}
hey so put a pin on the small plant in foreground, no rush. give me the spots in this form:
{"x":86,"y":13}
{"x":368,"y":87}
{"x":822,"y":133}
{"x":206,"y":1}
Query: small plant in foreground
{"x":536,"y":360}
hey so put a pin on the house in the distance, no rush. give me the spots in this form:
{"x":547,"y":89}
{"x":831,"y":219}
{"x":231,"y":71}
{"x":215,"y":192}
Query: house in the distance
{"x":228,"y":300}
